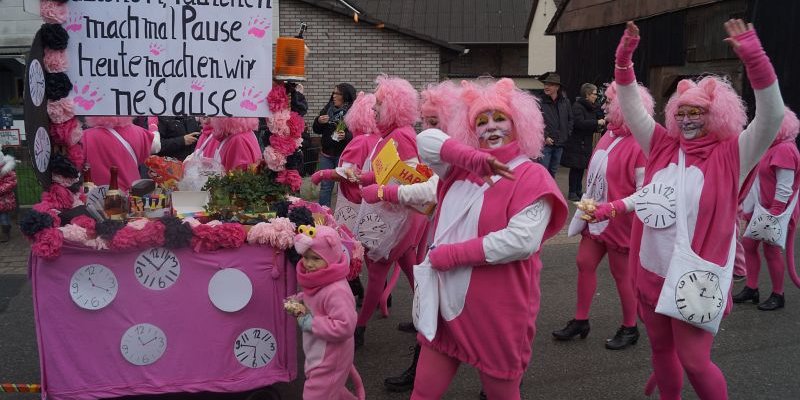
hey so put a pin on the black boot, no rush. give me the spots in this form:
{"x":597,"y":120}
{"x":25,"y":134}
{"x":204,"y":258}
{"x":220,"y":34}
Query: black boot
{"x":407,"y":327}
{"x":774,"y":302}
{"x":5,"y":233}
{"x":357,"y":289}
{"x":404,"y":382}
{"x":359,"y":336}
{"x":574,"y":328}
{"x":747,"y":294}
{"x":625,"y":336}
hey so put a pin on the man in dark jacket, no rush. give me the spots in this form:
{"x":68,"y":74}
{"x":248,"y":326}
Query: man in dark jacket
{"x":578,"y":149}
{"x":178,"y":136}
{"x":557,"y":113}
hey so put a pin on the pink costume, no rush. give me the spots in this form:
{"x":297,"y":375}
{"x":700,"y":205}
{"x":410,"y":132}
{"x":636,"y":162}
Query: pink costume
{"x":488,"y":241}
{"x":778,"y":174}
{"x":397,"y":103}
{"x":360,"y":120}
{"x":613,"y":174}
{"x":716,"y":166}
{"x":330,"y":320}
{"x":104,"y":149}
{"x":8,"y":182}
{"x":239,"y":144}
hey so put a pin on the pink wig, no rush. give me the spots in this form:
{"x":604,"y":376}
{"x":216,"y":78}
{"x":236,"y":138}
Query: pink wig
{"x":109,"y":122}
{"x":444,"y":101}
{"x":789,"y":127}
{"x":503,"y":95}
{"x":400,"y":102}
{"x":614,"y":111}
{"x":360,"y":118}
{"x":226,"y":126}
{"x":725,"y":112}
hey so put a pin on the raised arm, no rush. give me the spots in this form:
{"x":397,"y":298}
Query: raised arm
{"x":636,"y":117}
{"x":761,"y":132}
{"x":440,"y":152}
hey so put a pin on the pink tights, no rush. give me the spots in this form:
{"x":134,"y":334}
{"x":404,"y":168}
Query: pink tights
{"x":377,"y":271}
{"x":590,"y":252}
{"x":775,"y":263}
{"x":677,"y":347}
{"x":435,"y":371}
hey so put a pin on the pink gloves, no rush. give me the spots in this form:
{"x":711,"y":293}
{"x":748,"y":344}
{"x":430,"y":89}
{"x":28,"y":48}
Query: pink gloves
{"x":324,"y":175}
{"x":459,"y":154}
{"x":777,"y":208}
{"x":152,"y":124}
{"x":759,"y":68}
{"x":367,"y":178}
{"x":445,"y":257}
{"x":606,"y":211}
{"x":623,"y":74}
{"x":370,"y":194}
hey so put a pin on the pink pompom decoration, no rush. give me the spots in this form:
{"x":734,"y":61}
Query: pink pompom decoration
{"x":59,"y":197}
{"x":53,"y":12}
{"x":74,"y":233}
{"x":290,"y":177}
{"x":87,"y":223}
{"x":137,"y":224}
{"x":60,"y":110}
{"x":296,"y":124}
{"x":55,"y":60}
{"x":124,"y":239}
{"x":47,"y":243}
{"x":75,"y":154}
{"x":193,"y":223}
{"x":275,"y":161}
{"x":284,"y":233}
{"x":62,"y":133}
{"x":231,"y":236}
{"x":278,"y":123}
{"x":151,"y":235}
{"x":97,"y":244}
{"x":278,"y":99}
{"x":262,"y":233}
{"x":285,"y":145}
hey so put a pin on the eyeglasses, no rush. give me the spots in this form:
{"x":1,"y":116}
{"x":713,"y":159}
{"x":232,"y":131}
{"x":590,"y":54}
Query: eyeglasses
{"x":693,"y":115}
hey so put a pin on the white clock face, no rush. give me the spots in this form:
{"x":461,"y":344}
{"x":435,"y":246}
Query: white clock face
{"x":41,"y":149}
{"x":596,"y":188}
{"x":93,"y":287}
{"x":766,"y":228}
{"x":255,"y":347}
{"x":96,"y":195}
{"x":655,"y":205}
{"x":143,"y":344}
{"x":230,"y":290}
{"x":371,"y":230}
{"x":346,"y":215}
{"x":696,"y":293}
{"x":36,"y":82}
{"x":157,"y":268}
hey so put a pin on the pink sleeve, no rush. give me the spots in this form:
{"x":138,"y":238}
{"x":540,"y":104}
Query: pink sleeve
{"x":785,"y":157}
{"x":8,"y":182}
{"x":340,"y":322}
{"x":140,"y":139}
{"x":355,"y":152}
{"x":350,"y":191}
{"x":406,"y":141}
{"x":240,"y":151}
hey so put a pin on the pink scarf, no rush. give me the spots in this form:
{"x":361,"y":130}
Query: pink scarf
{"x":313,"y":281}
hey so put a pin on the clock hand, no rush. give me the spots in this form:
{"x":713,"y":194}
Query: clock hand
{"x":145,"y":343}
{"x":97,"y":286}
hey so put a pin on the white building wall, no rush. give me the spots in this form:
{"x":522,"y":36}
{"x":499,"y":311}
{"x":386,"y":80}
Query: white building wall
{"x":541,"y":48}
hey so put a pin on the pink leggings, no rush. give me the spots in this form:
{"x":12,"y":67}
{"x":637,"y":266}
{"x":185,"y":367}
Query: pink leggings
{"x":775,"y":263}
{"x":435,"y":371}
{"x":677,"y":347}
{"x":377,"y":271}
{"x":590,"y":252}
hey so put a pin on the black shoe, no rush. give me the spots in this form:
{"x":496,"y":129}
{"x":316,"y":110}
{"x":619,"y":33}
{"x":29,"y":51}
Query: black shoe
{"x":625,"y":336}
{"x":574,"y":327}
{"x":738,"y":278}
{"x":747,"y":294}
{"x":482,"y":396}
{"x":573,"y":196}
{"x":774,"y":302}
{"x":357,"y":289}
{"x":359,"y":336}
{"x":407,"y":327}
{"x":404,"y":382}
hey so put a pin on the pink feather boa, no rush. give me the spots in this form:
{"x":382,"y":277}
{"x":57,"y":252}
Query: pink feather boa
{"x":223,"y":236}
{"x":278,"y":233}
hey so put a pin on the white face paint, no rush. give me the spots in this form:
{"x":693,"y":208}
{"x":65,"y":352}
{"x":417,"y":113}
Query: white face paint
{"x":494,"y":129}
{"x":691,"y":121}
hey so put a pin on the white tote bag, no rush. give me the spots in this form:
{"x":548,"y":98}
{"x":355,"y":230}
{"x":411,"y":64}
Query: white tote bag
{"x":695,"y":291}
{"x":425,"y":309}
{"x":596,"y":188}
{"x":768,"y":228}
{"x":197,"y":168}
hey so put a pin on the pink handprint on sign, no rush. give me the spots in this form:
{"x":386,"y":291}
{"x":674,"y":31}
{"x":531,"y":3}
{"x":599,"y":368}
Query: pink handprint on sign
{"x":86,"y":96}
{"x":156,"y":49}
{"x":258,"y":27}
{"x":197,"y":85}
{"x":73,"y":23}
{"x":251,"y":99}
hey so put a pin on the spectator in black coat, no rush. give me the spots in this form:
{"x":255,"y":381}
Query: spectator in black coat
{"x":557,"y":114}
{"x":178,"y":136}
{"x":333,"y":141}
{"x":578,"y":149}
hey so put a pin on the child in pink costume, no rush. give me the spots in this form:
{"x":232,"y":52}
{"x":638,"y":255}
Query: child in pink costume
{"x":779,"y":178}
{"x":487,"y":240}
{"x":614,"y":174}
{"x":127,"y":151}
{"x":396,"y":108}
{"x":239,"y":144}
{"x":330,"y":317}
{"x":703,"y":120}
{"x":8,"y":202}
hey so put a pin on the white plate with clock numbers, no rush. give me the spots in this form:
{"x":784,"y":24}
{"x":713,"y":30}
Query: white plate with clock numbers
{"x":230,"y":290}
{"x":36,"y":82}
{"x":255,"y":348}
{"x":41,"y":149}
{"x":655,"y":205}
{"x":695,"y":289}
{"x":157,"y":268}
{"x":143,"y":344}
{"x":93,"y":287}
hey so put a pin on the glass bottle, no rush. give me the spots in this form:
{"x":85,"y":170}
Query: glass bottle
{"x":113,"y":204}
{"x":88,"y":184}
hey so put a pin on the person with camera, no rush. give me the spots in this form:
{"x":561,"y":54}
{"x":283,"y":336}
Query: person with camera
{"x":335,"y":136}
{"x":578,"y":148}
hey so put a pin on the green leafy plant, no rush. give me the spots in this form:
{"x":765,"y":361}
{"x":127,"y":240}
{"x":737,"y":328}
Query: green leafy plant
{"x":244,"y":194}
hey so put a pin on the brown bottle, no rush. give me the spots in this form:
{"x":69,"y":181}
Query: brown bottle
{"x":114,"y":204}
{"x":88,"y":184}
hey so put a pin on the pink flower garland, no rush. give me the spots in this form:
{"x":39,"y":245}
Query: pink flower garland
{"x":275,"y":160}
{"x":290,"y":177}
{"x":278,"y":99}
{"x":285,"y":145}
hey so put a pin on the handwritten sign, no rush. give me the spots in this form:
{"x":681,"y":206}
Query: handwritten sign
{"x":9,"y":137}
{"x":170,"y":57}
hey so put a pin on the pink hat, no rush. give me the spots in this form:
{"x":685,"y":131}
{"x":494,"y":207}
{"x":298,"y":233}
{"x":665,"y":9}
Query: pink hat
{"x":503,"y":95}
{"x":109,"y":122}
{"x":360,"y":118}
{"x":614,"y":111}
{"x":789,"y":127}
{"x":444,"y":101}
{"x":226,"y":126}
{"x":324,"y":240}
{"x":400,"y":102}
{"x":725,"y":112}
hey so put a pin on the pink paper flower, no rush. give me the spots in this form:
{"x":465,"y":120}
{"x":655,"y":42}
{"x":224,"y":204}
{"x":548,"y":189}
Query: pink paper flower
{"x":151,"y":235}
{"x":75,"y":154}
{"x":275,"y":161}
{"x":124,"y":239}
{"x":53,"y":12}
{"x":290,"y":177}
{"x":261,"y":233}
{"x":64,"y":133}
{"x":278,"y":99}
{"x":87,"y":223}
{"x":231,"y":236}
{"x":60,"y":110}
{"x":59,"y":197}
{"x":47,"y":243}
{"x":278,"y":123}
{"x":74,"y":233}
{"x":55,"y":60}
{"x":296,"y":124}
{"x":285,"y":145}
